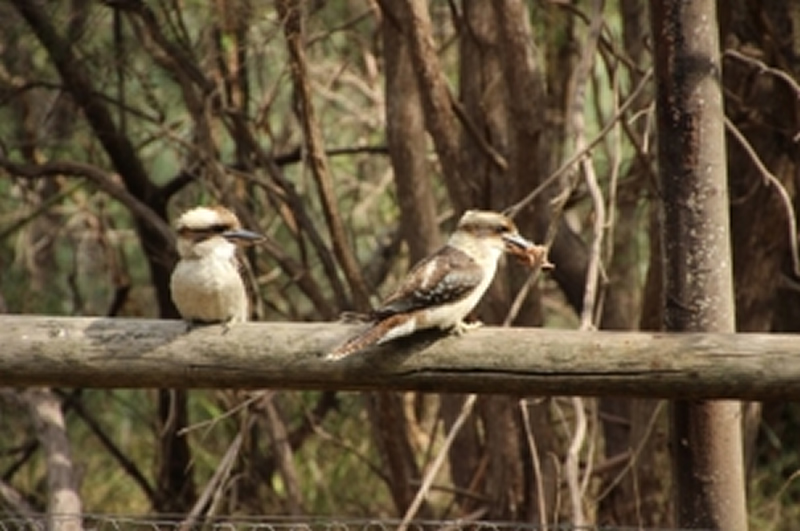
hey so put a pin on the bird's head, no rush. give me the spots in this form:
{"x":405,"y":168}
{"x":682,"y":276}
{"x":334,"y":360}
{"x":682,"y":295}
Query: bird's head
{"x":208,"y":230}
{"x":487,"y":232}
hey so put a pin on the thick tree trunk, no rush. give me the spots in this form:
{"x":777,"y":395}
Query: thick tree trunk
{"x":706,"y":436}
{"x":405,"y":134}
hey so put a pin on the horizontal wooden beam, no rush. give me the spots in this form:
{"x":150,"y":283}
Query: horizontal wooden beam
{"x":96,"y":352}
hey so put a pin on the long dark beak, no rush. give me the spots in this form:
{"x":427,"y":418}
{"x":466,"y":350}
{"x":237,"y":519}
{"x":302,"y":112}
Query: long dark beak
{"x":241,"y":236}
{"x":516,"y":241}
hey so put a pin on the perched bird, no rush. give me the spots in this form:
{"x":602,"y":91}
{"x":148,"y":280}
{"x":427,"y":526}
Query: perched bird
{"x":443,"y":288}
{"x":208,"y":284}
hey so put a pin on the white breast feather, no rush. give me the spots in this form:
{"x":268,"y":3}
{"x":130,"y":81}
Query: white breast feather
{"x":210,"y":288}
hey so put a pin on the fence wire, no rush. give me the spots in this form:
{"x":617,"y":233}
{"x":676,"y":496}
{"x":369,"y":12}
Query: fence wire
{"x":97,"y":522}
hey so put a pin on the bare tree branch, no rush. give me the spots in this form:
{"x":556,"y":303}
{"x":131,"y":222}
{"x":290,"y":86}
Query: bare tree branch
{"x":290,"y":13}
{"x":441,"y":457}
{"x":125,"y":462}
{"x":514,"y":209}
{"x":771,"y":179}
{"x":104,"y":181}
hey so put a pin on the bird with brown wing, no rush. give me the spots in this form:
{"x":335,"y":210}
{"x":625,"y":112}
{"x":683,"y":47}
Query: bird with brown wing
{"x":442,"y":289}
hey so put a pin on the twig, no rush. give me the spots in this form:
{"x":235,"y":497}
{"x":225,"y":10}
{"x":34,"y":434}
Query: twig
{"x":45,"y":205}
{"x":613,"y":181}
{"x":763,"y":67}
{"x":537,"y":466}
{"x":519,"y":298}
{"x":466,"y":410}
{"x":587,"y":321}
{"x":374,"y":468}
{"x":15,"y":503}
{"x":782,"y":192}
{"x":217,"y":480}
{"x":210,"y":423}
{"x":635,"y":454}
{"x":127,"y":464}
{"x":103,"y":180}
{"x":494,"y":156}
{"x":588,"y":468}
{"x":276,"y":427}
{"x":290,"y":13}
{"x":514,"y":209}
{"x":572,"y":463}
{"x":595,"y":251}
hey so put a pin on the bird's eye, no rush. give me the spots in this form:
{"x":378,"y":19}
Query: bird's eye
{"x":500,"y":229}
{"x":219,"y":228}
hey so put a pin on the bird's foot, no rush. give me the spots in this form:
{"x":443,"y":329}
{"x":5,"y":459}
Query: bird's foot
{"x":462,"y":327}
{"x":227,"y":325}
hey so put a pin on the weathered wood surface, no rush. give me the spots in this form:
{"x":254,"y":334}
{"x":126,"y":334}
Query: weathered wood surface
{"x":97,"y":352}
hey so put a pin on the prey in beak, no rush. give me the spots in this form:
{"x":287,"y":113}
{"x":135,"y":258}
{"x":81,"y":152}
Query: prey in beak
{"x":515,"y":243}
{"x":526,"y":251}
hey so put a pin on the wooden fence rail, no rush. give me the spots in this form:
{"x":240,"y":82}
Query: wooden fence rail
{"x":97,"y":352}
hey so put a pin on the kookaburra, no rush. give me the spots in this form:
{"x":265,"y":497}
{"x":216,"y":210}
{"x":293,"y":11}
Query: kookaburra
{"x":442,"y":289}
{"x":208,"y":284}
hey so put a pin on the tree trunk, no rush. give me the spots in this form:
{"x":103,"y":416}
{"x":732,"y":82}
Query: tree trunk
{"x":405,"y":134}
{"x":706,"y":435}
{"x":64,"y":511}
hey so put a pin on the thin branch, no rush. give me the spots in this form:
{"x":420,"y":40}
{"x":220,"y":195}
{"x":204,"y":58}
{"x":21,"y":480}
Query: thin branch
{"x":572,"y":463}
{"x":634,"y":456}
{"x":514,"y":209}
{"x":296,"y":155}
{"x":217,"y":481}
{"x":43,"y":207}
{"x":174,"y":58}
{"x":15,"y":503}
{"x":103,"y":180}
{"x":494,"y":156}
{"x":763,"y":67}
{"x":791,"y":217}
{"x":283,"y":452}
{"x":466,"y":410}
{"x":291,"y":14}
{"x":127,"y":464}
{"x":537,"y":466}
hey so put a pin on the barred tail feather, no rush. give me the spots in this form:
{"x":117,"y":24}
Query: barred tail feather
{"x":376,"y":334}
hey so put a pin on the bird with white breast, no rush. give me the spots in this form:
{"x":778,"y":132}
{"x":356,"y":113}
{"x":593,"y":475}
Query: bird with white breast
{"x":442,"y":289}
{"x":208,"y":284}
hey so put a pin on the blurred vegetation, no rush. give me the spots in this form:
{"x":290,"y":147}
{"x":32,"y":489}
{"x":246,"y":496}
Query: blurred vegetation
{"x":201,"y":96}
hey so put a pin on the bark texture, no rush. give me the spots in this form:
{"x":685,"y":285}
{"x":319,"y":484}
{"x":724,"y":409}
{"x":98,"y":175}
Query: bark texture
{"x":707,"y":443}
{"x":104,"y":353}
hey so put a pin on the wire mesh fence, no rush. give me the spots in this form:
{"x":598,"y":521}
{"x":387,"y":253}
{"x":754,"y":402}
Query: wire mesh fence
{"x":97,"y":522}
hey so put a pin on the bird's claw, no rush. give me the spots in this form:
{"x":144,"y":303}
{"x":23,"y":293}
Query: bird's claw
{"x":462,"y":327}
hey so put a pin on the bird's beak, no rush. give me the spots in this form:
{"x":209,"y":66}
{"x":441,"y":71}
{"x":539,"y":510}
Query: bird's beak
{"x":516,"y":242}
{"x":241,"y":236}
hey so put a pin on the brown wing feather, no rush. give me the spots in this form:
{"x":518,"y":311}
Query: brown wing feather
{"x":446,"y":276}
